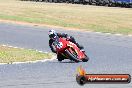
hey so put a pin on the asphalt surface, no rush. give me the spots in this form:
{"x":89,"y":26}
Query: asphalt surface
{"x":108,"y":54}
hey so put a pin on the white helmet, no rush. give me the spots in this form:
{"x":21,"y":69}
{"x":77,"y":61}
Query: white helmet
{"x":52,"y":34}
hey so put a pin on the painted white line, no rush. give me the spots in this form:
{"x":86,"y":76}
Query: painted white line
{"x":21,"y":48}
{"x":109,"y":34}
{"x":119,"y":34}
{"x":15,"y":47}
{"x":3,"y":45}
{"x":113,"y":34}
{"x":98,"y":32}
{"x":46,"y":52}
{"x":3,"y":63}
{"x":130,"y":35}
{"x":40,"y":51}
{"x":34,"y":61}
{"x":53,"y":57}
{"x":10,"y":46}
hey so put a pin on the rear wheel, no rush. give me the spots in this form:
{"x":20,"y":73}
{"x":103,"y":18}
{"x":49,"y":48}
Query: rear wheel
{"x":85,"y":59}
{"x":72,"y":56}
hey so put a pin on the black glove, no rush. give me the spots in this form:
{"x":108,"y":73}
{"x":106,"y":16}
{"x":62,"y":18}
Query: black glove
{"x":68,"y":37}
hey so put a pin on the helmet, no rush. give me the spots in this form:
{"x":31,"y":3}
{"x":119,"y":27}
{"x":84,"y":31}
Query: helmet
{"x":52,"y":34}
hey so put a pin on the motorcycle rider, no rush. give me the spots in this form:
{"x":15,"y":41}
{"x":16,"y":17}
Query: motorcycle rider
{"x":53,"y":35}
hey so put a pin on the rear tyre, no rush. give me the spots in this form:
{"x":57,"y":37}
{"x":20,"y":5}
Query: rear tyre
{"x":71,"y":56}
{"x":85,"y":59}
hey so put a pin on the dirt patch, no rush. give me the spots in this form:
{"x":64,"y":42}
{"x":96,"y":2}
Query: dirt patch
{"x":41,"y":25}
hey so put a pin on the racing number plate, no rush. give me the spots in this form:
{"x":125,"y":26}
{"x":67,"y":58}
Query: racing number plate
{"x":59,"y":45}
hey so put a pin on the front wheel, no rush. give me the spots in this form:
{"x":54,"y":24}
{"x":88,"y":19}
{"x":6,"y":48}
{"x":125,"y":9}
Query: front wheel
{"x":71,"y":56}
{"x":60,"y":57}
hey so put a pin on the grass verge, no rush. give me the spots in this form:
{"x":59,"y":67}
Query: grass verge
{"x":83,"y":17}
{"x":9,"y":55}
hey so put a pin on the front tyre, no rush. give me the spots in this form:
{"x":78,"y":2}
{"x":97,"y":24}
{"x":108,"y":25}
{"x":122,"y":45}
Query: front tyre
{"x":59,"y":57}
{"x":71,"y":56}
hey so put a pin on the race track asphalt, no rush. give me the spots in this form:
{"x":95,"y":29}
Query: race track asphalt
{"x":107,"y":53}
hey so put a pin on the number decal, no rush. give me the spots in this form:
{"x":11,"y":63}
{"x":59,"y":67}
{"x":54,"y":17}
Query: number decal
{"x":60,"y":45}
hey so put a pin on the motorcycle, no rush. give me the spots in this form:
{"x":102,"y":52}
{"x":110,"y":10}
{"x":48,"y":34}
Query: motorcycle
{"x":69,"y":50}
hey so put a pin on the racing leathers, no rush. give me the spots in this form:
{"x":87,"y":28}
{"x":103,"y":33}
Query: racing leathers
{"x":63,"y":35}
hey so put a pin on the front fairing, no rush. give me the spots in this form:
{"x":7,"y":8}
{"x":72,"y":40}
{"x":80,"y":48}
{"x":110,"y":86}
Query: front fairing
{"x":80,"y":54}
{"x":60,"y":44}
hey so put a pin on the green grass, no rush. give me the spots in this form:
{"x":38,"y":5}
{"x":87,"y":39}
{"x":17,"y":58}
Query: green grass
{"x":83,"y":17}
{"x":9,"y":55}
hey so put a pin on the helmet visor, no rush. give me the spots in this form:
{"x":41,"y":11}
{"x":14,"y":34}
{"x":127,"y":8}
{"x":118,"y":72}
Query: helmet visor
{"x":52,"y":35}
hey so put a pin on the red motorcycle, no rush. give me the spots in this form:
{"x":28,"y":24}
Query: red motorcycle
{"x":69,"y":50}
